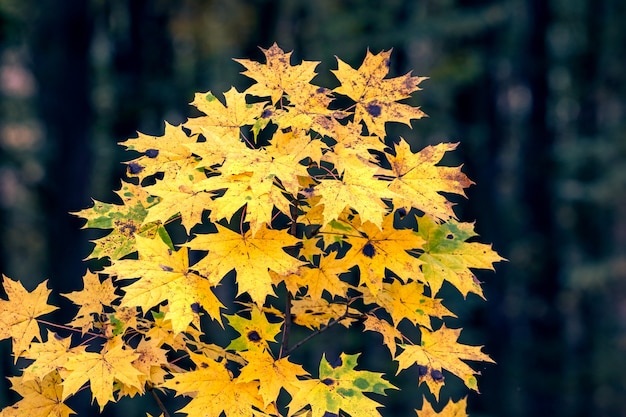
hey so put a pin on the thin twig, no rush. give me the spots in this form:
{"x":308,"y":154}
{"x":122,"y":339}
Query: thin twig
{"x":321,"y":330}
{"x":159,"y":402}
{"x":284,"y":343}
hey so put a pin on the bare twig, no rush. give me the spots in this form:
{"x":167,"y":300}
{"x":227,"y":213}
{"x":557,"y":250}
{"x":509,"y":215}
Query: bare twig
{"x":158,"y":401}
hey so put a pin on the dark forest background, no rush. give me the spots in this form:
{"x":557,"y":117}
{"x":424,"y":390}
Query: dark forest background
{"x":534,"y":90}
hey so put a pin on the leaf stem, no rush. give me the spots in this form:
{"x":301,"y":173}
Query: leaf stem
{"x":158,"y":401}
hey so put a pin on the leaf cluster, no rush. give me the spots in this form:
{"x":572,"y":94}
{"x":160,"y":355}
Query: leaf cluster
{"x":320,"y":217}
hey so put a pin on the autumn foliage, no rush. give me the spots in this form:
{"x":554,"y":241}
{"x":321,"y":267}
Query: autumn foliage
{"x":315,"y":214}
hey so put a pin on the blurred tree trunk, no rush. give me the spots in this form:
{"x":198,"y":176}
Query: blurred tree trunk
{"x":60,"y":48}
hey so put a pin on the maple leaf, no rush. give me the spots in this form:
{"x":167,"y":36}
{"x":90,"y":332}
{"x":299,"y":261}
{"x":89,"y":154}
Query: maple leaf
{"x":101,"y":370}
{"x":165,"y":276}
{"x":265,"y":166}
{"x":150,"y":363}
{"x":213,"y":391}
{"x":386,"y":329}
{"x":315,"y":313}
{"x":161,"y":331}
{"x":418,"y":180}
{"x":448,"y":256}
{"x":379,"y":248}
{"x":259,"y":200}
{"x":352,"y":147}
{"x":440,"y":350}
{"x":18,"y":314}
{"x":340,"y":386}
{"x":310,"y":248}
{"x":123,"y":318}
{"x":296,"y":145}
{"x":185,"y":194}
{"x":220,"y":120}
{"x":407,"y":301}
{"x":91,"y":299}
{"x":126,"y":220}
{"x":307,"y":109}
{"x":452,"y":409}
{"x":166,"y":153}
{"x":255,"y":332}
{"x":273,"y":375}
{"x":49,"y":356}
{"x":277,"y":76}
{"x":359,"y":189}
{"x":376,"y":98}
{"x":42,"y":397}
{"x":325,"y":277}
{"x":251,"y":256}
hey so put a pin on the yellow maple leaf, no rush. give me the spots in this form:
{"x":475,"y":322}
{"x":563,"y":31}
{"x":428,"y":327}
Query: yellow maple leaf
{"x":18,"y":314}
{"x":277,"y":76}
{"x":310,"y":247}
{"x":49,"y":356}
{"x":150,"y":363}
{"x":317,"y":312}
{"x":161,"y":332}
{"x":252,"y":256}
{"x":91,"y":299}
{"x":375,"y":249}
{"x":407,"y":301}
{"x":357,"y":188}
{"x":298,"y":147}
{"x":101,"y":369}
{"x":255,"y":332}
{"x":376,"y":97}
{"x":184,"y":194}
{"x":265,"y":165}
{"x":213,"y":391}
{"x":166,"y":153}
{"x":447,"y":255}
{"x":386,"y":330}
{"x":418,"y":180}
{"x":352,"y":147}
{"x":42,"y":397}
{"x":307,"y":109}
{"x":273,"y":375}
{"x":452,"y":409}
{"x":441,"y":350}
{"x":220,"y":120}
{"x":325,"y":277}
{"x":165,"y":276}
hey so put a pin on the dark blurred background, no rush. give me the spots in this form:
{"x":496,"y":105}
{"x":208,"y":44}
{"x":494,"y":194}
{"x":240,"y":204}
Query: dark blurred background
{"x":534,"y":90}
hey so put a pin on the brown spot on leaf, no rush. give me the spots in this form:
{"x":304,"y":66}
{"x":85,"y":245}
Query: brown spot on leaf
{"x":374,"y":109}
{"x":253,"y":336}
